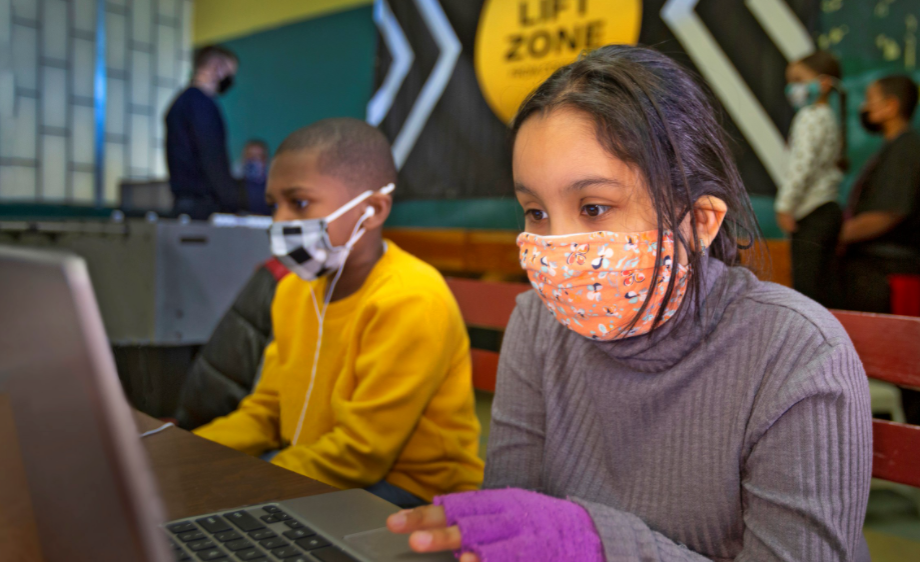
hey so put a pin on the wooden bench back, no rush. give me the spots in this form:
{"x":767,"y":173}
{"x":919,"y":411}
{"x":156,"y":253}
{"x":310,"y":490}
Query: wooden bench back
{"x":485,"y":305}
{"x":889,"y":347}
{"x":474,"y":251}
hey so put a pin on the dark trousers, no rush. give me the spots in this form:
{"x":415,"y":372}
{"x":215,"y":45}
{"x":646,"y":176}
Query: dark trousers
{"x":383,"y":489}
{"x":814,"y":250}
{"x":866,"y":289}
{"x":395,"y":495}
{"x":865,"y":280}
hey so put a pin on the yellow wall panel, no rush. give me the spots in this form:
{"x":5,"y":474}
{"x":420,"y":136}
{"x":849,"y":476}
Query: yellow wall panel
{"x":219,"y":20}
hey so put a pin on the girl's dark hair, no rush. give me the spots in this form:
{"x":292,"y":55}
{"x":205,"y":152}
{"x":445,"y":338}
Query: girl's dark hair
{"x":826,"y":64}
{"x":650,"y":113}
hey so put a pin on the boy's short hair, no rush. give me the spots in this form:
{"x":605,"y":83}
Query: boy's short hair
{"x":904,"y":89}
{"x":348,"y":149}
{"x":206,"y":54}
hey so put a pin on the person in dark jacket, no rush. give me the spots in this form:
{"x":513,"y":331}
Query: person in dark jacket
{"x":226,"y":368}
{"x":196,"y":140}
{"x":881,"y":233}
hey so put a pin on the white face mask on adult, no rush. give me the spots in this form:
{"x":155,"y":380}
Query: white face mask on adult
{"x":303,"y":246}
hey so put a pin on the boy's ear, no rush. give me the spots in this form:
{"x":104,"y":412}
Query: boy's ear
{"x":381,"y":204}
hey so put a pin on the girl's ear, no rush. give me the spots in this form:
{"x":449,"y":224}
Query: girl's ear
{"x":827,"y":83}
{"x":709,"y":212}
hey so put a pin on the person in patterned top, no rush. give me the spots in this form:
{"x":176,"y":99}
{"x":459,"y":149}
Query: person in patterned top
{"x":806,"y":204}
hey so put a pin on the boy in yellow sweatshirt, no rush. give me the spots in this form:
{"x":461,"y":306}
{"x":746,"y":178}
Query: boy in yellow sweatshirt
{"x":367,"y":383}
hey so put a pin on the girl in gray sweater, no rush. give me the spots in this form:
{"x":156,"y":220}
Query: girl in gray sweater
{"x":655,"y":401}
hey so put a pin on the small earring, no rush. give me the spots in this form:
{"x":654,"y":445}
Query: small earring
{"x":704,"y":249}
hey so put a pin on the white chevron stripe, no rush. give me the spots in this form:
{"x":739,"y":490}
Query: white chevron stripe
{"x":736,"y":96}
{"x":403,"y":58}
{"x":431,"y":92}
{"x":783,"y":27}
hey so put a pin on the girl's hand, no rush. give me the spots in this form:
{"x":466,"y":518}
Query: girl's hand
{"x":786,"y":223}
{"x":429,"y":530}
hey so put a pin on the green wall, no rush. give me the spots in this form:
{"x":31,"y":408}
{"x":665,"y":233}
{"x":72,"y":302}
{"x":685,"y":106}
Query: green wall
{"x":294,"y":75}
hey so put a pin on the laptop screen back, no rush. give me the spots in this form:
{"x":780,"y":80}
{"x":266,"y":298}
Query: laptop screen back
{"x":91,"y":488}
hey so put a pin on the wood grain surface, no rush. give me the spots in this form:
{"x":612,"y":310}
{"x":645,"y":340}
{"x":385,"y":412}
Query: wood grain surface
{"x":194,"y":475}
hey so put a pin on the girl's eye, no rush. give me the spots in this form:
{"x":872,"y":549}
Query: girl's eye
{"x":595,"y":210}
{"x":300,"y":204}
{"x":536,"y":214}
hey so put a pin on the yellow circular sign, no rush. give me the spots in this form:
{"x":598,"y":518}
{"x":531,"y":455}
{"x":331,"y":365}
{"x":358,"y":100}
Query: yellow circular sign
{"x":519,"y":43}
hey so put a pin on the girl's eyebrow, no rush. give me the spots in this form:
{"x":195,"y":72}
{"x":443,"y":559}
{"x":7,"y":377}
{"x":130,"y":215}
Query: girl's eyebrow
{"x":521,"y":188}
{"x":592,"y":181}
{"x":575,"y":186}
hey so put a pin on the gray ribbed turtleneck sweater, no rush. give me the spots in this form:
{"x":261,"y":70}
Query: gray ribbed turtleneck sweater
{"x":741,"y":433}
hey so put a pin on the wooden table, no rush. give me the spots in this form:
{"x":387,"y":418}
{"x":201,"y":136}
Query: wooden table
{"x":194,"y":475}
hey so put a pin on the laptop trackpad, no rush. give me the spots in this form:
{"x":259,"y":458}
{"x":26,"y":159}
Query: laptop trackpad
{"x":381,"y":544}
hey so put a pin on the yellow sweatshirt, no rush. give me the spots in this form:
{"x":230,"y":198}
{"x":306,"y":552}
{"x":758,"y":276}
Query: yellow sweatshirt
{"x":392,"y":398}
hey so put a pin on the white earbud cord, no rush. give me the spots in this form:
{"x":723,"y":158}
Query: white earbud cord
{"x":355,"y":235}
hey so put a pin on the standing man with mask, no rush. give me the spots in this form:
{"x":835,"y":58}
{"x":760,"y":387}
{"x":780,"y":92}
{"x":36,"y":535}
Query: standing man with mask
{"x":196,"y":140}
{"x":881,"y":231}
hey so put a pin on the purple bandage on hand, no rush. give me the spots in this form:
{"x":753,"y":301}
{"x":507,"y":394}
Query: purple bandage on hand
{"x":511,"y":524}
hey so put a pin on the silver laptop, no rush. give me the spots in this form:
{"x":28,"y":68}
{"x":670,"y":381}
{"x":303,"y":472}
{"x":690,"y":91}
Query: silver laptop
{"x":91,"y":486}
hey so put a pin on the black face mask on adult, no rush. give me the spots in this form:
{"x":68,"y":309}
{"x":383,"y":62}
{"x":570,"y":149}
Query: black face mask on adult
{"x":873,"y":128}
{"x":225,"y":84}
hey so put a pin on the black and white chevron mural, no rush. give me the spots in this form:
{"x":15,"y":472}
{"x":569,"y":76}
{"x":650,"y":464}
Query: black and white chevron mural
{"x":449,"y":143}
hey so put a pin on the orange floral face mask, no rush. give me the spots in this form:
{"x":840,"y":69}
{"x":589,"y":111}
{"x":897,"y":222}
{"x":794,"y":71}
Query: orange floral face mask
{"x":595,"y":283}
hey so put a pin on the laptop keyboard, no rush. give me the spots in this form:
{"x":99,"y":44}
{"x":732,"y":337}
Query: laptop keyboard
{"x":262,"y":534}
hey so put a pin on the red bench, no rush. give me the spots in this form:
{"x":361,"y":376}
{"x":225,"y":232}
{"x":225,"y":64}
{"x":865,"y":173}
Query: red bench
{"x":485,"y":304}
{"x":889,"y":347}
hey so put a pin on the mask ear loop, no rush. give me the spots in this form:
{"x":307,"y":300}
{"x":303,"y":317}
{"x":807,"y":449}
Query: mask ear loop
{"x":357,"y":234}
{"x":386,"y":190}
{"x":348,"y":206}
{"x":321,"y":315}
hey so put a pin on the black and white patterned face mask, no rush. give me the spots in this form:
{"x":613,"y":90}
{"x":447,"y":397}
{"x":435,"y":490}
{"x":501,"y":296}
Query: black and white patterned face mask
{"x":303,"y":246}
